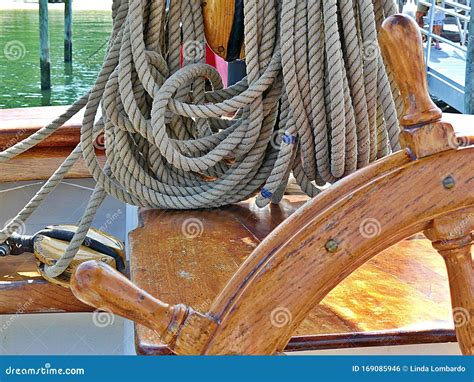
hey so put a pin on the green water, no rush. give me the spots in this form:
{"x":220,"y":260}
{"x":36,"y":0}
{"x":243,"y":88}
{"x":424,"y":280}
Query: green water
{"x":19,"y":56}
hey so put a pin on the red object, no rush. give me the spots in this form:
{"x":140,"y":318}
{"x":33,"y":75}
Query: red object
{"x":218,"y":63}
{"x":214,"y":60}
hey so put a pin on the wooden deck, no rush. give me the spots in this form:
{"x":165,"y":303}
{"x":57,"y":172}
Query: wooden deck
{"x":447,"y":75}
{"x":400,"y":297}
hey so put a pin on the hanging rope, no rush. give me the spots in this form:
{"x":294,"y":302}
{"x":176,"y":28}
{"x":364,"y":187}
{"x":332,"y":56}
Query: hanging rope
{"x":316,"y":102}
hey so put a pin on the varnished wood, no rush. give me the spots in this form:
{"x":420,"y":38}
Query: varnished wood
{"x":368,"y":339}
{"x":17,"y":124}
{"x":453,"y":236}
{"x":263,"y":279}
{"x":297,"y":247}
{"x":93,"y":281}
{"x":40,"y":163}
{"x":218,"y":21}
{"x":48,"y":251}
{"x":402,"y":47}
{"x":405,"y":286}
{"x":452,"y":233}
{"x":97,"y":284}
{"x":23,"y":290}
{"x":429,"y":139}
{"x":423,"y":133}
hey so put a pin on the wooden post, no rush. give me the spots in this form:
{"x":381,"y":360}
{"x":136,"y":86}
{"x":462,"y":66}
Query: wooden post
{"x":45,"y":65}
{"x":67,"y":30}
{"x":469,"y":84}
{"x":452,"y":238}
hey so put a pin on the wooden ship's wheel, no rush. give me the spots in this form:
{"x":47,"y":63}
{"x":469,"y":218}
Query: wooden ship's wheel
{"x":426,"y":187}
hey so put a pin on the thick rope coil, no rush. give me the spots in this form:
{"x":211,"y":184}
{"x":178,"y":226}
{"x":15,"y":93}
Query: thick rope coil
{"x":316,"y":101}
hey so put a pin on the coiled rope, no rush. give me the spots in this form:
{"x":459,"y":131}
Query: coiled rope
{"x":316,"y":102}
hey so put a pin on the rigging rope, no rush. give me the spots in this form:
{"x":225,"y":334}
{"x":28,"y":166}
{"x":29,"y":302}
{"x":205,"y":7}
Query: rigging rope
{"x":317,"y":102}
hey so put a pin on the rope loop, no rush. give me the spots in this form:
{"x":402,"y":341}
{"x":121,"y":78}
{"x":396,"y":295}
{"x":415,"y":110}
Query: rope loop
{"x":317,"y":103}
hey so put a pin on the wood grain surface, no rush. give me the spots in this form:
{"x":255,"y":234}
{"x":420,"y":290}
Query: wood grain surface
{"x":218,"y":22}
{"x":402,"y":47}
{"x":40,"y":162}
{"x":17,"y":124}
{"x":23,"y":290}
{"x":399,"y":297}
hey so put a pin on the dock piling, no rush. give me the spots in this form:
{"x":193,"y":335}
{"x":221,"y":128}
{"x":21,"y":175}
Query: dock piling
{"x":67,"y":30}
{"x":45,"y":64}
